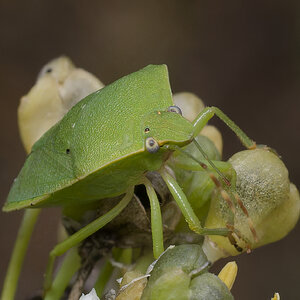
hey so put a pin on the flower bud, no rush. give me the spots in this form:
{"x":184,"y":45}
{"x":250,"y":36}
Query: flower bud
{"x":272,"y":202}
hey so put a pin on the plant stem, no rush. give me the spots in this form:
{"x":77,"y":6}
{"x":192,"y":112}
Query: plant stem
{"x":68,"y":268}
{"x":19,"y":251}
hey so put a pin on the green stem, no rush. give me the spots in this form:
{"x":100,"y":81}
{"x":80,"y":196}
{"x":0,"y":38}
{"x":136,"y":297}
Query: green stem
{"x":103,"y":278}
{"x":69,"y":267}
{"x":121,"y":255}
{"x":125,"y":256}
{"x":19,"y":251}
{"x":144,"y":261}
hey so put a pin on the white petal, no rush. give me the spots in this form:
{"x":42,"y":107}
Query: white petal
{"x":91,"y":296}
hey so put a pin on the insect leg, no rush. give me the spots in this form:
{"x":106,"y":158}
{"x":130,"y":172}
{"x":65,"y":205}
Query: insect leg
{"x":187,"y":210}
{"x":82,"y":234}
{"x":156,"y":220}
{"x":216,"y":167}
{"x":206,"y":114}
{"x":221,"y":168}
{"x":17,"y":258}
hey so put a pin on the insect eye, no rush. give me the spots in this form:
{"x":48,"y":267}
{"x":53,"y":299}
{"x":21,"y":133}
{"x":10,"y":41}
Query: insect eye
{"x":151,"y":145}
{"x":175,"y":109}
{"x":49,"y":70}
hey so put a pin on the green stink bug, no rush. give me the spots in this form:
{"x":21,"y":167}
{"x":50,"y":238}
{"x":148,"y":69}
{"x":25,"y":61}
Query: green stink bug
{"x":104,"y":146}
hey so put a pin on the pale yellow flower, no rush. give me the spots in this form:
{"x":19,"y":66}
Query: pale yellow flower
{"x":228,"y":274}
{"x":276,"y":297}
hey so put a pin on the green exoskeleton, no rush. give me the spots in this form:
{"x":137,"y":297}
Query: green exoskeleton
{"x":104,"y":146}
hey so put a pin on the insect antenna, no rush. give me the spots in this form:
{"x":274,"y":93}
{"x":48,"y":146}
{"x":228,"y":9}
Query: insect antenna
{"x":226,"y":181}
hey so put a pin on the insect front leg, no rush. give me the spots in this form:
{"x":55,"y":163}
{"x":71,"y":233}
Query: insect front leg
{"x":156,"y":220}
{"x":187,"y":209}
{"x":82,"y":234}
{"x":217,"y":172}
{"x":206,"y":114}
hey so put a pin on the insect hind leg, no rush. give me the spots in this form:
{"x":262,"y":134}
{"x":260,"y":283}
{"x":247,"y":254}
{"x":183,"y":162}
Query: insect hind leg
{"x":82,"y":234}
{"x":187,"y":209}
{"x":156,"y":219}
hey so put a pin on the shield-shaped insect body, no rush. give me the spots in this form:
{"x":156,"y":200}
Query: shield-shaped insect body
{"x":98,"y":149}
{"x":104,"y":146}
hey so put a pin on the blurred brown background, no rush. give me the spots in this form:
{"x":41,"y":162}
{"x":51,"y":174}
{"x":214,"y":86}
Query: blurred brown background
{"x":242,"y":56}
